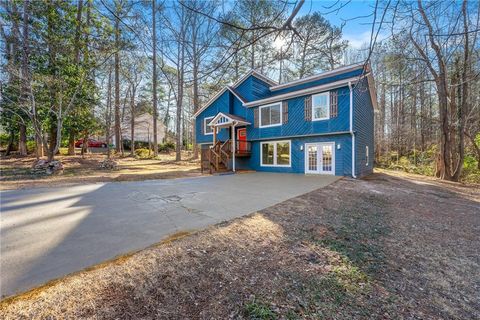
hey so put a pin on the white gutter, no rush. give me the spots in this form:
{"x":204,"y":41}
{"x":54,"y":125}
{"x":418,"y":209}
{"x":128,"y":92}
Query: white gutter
{"x":303,"y":92}
{"x":233,"y":145}
{"x":351,"y":129}
{"x":318,"y":76}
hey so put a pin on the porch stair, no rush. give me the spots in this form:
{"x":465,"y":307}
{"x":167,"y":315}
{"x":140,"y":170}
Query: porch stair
{"x":217,"y":158}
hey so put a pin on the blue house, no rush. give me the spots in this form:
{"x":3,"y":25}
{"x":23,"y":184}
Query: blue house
{"x":322,"y":124}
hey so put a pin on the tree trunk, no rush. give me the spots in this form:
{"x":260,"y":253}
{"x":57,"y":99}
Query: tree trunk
{"x":132,"y":140}
{"x":167,"y":113}
{"x":196,"y":100}
{"x":22,"y":141}
{"x":117,"y":84}
{"x":71,"y":144}
{"x":132,"y":121}
{"x":180,"y":75}
{"x":84,"y":145}
{"x":11,"y":138}
{"x":22,"y":144}
{"x":108,"y":113}
{"x":443,"y":168}
{"x":39,"y":148}
{"x":463,"y":105}
{"x":154,"y":80}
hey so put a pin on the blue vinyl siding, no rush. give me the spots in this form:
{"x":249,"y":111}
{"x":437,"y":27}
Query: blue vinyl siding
{"x":298,"y":130}
{"x":253,"y":88}
{"x":343,"y":159}
{"x":297,"y":125}
{"x":222,"y":104}
{"x":363,"y":128}
{"x":315,"y":83}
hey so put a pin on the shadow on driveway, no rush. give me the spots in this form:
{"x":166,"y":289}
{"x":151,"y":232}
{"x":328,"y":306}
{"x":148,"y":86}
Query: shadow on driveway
{"x":49,"y":232}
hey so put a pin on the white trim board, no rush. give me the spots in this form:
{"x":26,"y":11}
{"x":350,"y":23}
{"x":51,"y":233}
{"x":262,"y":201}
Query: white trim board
{"x":319,"y":145}
{"x":328,"y":106}
{"x":303,"y":92}
{"x":205,"y":124}
{"x":274,"y":165}
{"x":230,"y":122}
{"x":267,"y":106}
{"x":303,"y":136}
{"x":319,"y":76}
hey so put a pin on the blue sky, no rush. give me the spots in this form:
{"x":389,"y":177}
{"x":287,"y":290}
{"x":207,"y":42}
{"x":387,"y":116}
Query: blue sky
{"x":357,"y":15}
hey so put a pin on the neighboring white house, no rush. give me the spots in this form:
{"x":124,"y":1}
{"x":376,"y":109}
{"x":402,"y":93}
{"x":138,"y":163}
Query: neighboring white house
{"x":143,"y":129}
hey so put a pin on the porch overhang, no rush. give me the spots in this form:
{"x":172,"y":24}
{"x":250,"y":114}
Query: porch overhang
{"x":225,"y":120}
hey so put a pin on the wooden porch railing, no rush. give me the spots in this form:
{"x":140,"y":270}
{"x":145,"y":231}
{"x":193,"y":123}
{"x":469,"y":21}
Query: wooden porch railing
{"x":217,"y":155}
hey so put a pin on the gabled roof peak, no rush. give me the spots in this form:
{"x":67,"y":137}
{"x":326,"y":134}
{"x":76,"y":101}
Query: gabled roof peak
{"x":256,"y":74}
{"x":233,"y":90}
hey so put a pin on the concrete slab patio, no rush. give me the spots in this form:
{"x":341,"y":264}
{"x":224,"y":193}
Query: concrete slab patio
{"x":46,"y":233}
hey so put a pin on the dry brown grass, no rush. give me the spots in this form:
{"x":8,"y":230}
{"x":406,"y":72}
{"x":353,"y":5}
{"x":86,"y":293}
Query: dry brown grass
{"x":386,"y":247}
{"x":16,"y":174}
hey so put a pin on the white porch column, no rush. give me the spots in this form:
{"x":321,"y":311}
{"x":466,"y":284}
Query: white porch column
{"x":233,"y":146}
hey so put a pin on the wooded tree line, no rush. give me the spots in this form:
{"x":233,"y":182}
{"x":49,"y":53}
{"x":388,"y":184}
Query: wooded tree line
{"x":77,"y":69}
{"x":428,"y":85}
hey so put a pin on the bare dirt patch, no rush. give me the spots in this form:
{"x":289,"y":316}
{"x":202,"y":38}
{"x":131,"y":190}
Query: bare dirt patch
{"x":387,"y":247}
{"x":16,"y":172}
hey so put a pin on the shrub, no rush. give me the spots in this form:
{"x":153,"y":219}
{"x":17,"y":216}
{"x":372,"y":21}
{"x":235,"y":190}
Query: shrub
{"x":138,"y":144}
{"x":31,"y":146}
{"x":143,"y":153}
{"x":470,"y":172}
{"x":166,"y":147}
{"x":4,"y":137}
{"x":63,"y":151}
{"x":162,"y":147}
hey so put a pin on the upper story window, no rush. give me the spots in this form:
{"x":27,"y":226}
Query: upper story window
{"x":206,"y":128}
{"x":321,"y":106}
{"x":271,"y":115}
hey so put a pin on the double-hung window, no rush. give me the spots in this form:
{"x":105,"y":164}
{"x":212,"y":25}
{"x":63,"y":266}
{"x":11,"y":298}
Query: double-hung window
{"x":206,"y":128}
{"x":321,"y":106}
{"x":276,"y":154}
{"x":271,"y":115}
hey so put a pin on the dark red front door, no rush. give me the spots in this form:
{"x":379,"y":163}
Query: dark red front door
{"x":242,"y":140}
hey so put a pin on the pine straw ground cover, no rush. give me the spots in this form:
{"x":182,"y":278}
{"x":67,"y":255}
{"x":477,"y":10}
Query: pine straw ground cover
{"x":16,"y":173}
{"x":385,"y":247}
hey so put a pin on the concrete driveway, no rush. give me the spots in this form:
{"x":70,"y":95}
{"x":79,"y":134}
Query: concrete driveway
{"x":49,"y":232}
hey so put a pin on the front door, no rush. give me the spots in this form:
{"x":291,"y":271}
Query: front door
{"x":242,"y":140}
{"x":320,"y":158}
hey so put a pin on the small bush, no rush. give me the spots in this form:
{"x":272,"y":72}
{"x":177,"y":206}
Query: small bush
{"x":138,"y":144}
{"x":4,"y":137}
{"x":470,"y":172}
{"x":166,"y":147}
{"x":162,"y":147}
{"x":63,"y":151}
{"x":143,"y":153}
{"x":31,"y":146}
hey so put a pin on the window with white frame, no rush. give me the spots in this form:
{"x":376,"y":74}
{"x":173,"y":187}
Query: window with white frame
{"x":271,"y":115}
{"x":367,"y":158}
{"x":206,"y":128}
{"x":276,"y":153}
{"x":321,"y":106}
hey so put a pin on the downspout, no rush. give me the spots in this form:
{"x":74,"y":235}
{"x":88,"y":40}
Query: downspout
{"x":351,"y":129}
{"x":233,"y":145}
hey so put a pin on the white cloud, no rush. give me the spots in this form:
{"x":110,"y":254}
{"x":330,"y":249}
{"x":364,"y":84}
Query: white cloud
{"x":357,"y":41}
